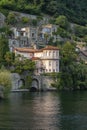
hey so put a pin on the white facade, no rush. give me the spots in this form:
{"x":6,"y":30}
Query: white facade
{"x":46,"y":59}
{"x":24,"y":52}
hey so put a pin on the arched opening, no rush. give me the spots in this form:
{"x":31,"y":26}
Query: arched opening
{"x":21,"y":83}
{"x":34,"y":86}
{"x":33,"y":89}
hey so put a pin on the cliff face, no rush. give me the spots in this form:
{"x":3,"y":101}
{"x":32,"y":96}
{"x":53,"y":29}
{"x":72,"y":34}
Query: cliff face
{"x":75,"y":10}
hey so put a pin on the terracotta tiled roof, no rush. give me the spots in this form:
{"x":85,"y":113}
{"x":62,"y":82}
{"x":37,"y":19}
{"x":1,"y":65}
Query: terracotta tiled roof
{"x":35,"y":58}
{"x":30,"y":50}
{"x":38,"y":51}
{"x":50,"y":48}
{"x":25,"y":50}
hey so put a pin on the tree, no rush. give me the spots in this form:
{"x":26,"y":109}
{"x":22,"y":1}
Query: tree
{"x":25,"y":20}
{"x":11,"y":18}
{"x":73,"y":74}
{"x":6,"y":31}
{"x":68,"y":58}
{"x":80,"y":31}
{"x":52,"y":7}
{"x":34,"y":22}
{"x":63,"y":33}
{"x":22,"y":65}
{"x":3,"y":49}
{"x":62,"y":21}
{"x":9,"y":58}
{"x":9,"y":4}
{"x":5,"y":82}
{"x":46,"y":35}
{"x":68,"y":53}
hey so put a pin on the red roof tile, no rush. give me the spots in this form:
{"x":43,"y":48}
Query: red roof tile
{"x":50,"y":48}
{"x":30,"y":50}
{"x":35,"y":58}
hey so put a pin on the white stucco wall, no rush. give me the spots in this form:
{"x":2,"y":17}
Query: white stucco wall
{"x":38,"y":54}
{"x":27,"y":55}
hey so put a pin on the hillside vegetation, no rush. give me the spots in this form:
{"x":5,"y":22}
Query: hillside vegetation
{"x":74,"y":10}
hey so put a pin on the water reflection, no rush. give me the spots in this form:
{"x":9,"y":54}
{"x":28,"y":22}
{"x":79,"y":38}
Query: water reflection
{"x":37,"y":111}
{"x":74,"y":112}
{"x":44,"y":111}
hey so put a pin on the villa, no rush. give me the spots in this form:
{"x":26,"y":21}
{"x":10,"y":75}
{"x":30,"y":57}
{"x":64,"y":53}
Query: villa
{"x":46,"y":59}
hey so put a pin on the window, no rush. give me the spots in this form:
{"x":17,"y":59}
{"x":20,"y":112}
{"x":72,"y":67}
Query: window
{"x":56,"y":70}
{"x":45,"y":70}
{"x":22,"y":33}
{"x":56,"y":53}
{"x":53,"y":53}
{"x":56,"y":63}
{"x":53,"y":70}
{"x":14,"y":43}
{"x":49,"y":53}
{"x":49,"y":70}
{"x":40,"y":70}
{"x":32,"y":34}
{"x":49,"y":63}
{"x":26,"y":34}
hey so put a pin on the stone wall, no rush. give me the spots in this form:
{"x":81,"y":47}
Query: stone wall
{"x":16,"y":81}
{"x":39,"y":82}
{"x":46,"y":83}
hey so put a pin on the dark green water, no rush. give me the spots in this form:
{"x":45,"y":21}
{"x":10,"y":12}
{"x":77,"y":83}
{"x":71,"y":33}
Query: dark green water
{"x":44,"y":111}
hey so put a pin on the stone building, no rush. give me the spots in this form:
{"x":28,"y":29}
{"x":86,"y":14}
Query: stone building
{"x":23,"y":37}
{"x":48,"y":29}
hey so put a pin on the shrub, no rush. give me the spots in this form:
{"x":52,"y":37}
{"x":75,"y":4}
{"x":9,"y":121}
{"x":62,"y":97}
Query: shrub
{"x":25,"y":20}
{"x":5,"y":81}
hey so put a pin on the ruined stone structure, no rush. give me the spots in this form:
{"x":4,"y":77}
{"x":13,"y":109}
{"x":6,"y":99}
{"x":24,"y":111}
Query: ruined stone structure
{"x":39,"y":82}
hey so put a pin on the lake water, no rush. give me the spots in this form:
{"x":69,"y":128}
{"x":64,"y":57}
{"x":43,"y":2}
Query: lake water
{"x":44,"y":111}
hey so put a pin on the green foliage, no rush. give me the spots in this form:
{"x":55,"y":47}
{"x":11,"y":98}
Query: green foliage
{"x":52,"y":7}
{"x":24,"y":65}
{"x":28,"y":81}
{"x":62,"y":21}
{"x":5,"y":81}
{"x":6,"y":31}
{"x":9,"y":58}
{"x":25,"y":20}
{"x":34,"y":22}
{"x":8,"y":4}
{"x":73,"y":74}
{"x":80,"y":31}
{"x":85,"y":38}
{"x":11,"y":19}
{"x":68,"y":53}
{"x":63,"y":33}
{"x":3,"y":49}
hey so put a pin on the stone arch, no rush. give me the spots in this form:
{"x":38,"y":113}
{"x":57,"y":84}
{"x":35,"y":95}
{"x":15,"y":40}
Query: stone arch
{"x":35,"y":85}
{"x":21,"y":82}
